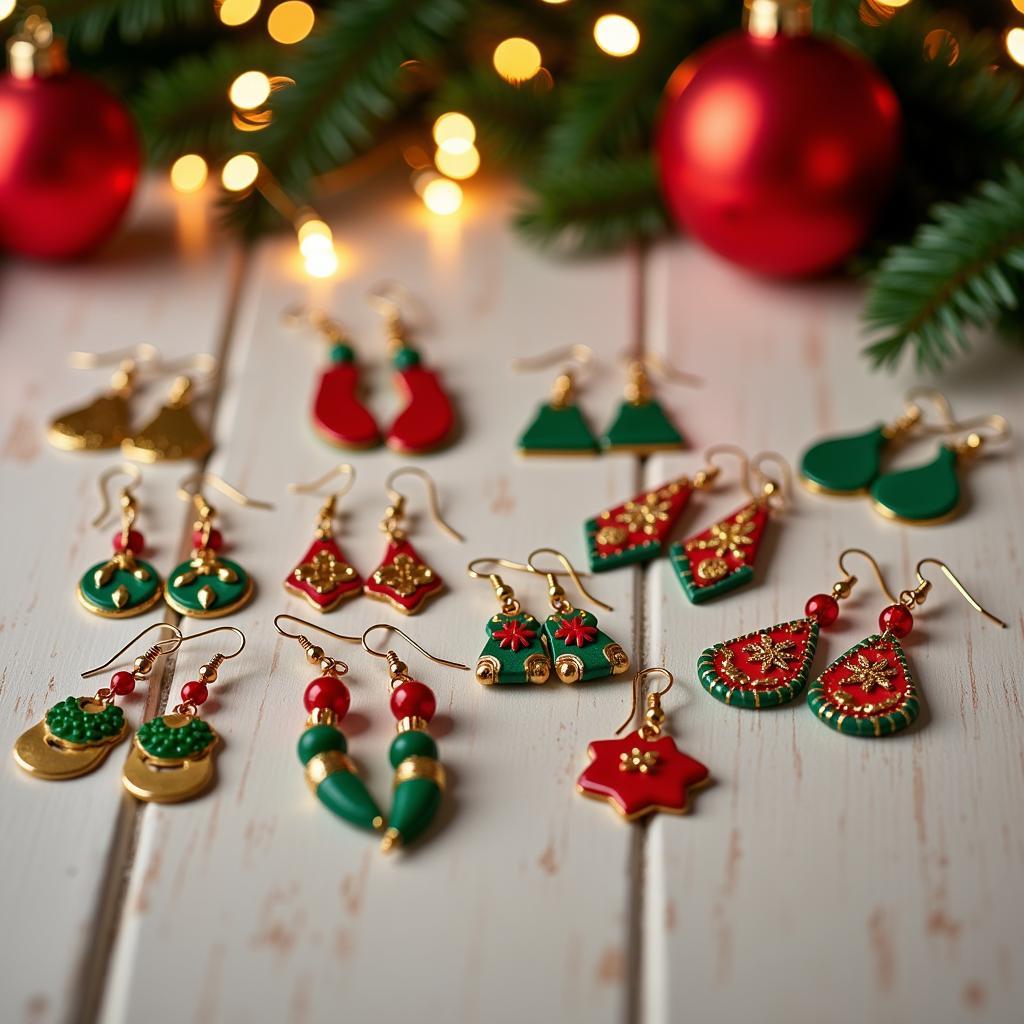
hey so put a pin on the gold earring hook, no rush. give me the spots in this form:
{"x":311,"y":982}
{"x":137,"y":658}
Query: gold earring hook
{"x":300,"y":316}
{"x":770,"y":488}
{"x":579,"y":354}
{"x":141,"y":353}
{"x":220,"y":629}
{"x":128,"y":470}
{"x":660,"y":365}
{"x":917,"y":596}
{"x":309,"y":625}
{"x":397,"y":498}
{"x":343,"y":468}
{"x":913,"y":417}
{"x":709,"y":475}
{"x":395,"y":629}
{"x":851,"y":580}
{"x":974,"y":441}
{"x":177,"y":640}
{"x":190,"y":489}
{"x":654,"y":698}
{"x":504,"y":563}
{"x":569,"y":568}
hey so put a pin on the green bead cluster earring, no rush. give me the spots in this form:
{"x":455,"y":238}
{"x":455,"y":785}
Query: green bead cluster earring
{"x":851,"y":464}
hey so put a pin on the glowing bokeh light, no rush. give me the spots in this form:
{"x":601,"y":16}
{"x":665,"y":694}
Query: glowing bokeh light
{"x":322,"y":262}
{"x":616,"y":35}
{"x":290,"y":22}
{"x":314,"y":236}
{"x":517,"y":59}
{"x":6,"y":7}
{"x":237,"y":12}
{"x":251,"y":89}
{"x":941,"y":41}
{"x":188,"y":173}
{"x":454,"y":132}
{"x":1015,"y":44}
{"x":892,"y":3}
{"x":460,"y":165}
{"x":442,"y":196}
{"x":240,"y":172}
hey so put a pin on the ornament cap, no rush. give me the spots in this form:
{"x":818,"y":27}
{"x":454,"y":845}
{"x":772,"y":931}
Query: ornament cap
{"x":767,"y":19}
{"x":33,"y":51}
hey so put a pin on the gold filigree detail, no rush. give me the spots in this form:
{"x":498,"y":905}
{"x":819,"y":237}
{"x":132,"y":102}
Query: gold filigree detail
{"x":730,"y":536}
{"x":611,"y":535}
{"x":324,"y":572}
{"x":638,"y":760}
{"x":712,"y":569}
{"x":645,"y":515}
{"x":869,"y":675}
{"x":770,"y":653}
{"x":848,"y":703}
{"x":119,"y":561}
{"x":204,"y":562}
{"x":404,"y":575}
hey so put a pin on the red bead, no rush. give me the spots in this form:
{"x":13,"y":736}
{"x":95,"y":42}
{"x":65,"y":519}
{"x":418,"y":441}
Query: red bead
{"x":897,"y":620}
{"x":136,"y":542}
{"x":327,"y":692}
{"x":215,"y":541}
{"x":413,"y":699}
{"x":122,"y":683}
{"x":824,"y":608}
{"x":195,"y":692}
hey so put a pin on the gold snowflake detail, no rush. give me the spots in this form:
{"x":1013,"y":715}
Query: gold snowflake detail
{"x":638,"y":760}
{"x":323,"y":572}
{"x":728,"y":537}
{"x":770,"y":653}
{"x":404,"y":575}
{"x":644,"y":516}
{"x":870,"y":674}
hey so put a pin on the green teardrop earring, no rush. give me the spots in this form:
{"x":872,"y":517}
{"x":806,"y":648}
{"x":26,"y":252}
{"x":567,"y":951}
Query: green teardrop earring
{"x":558,"y":428}
{"x":849,"y":463}
{"x":931,"y":493}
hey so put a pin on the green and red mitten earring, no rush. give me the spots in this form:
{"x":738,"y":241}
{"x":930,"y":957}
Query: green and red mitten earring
{"x":323,"y":576}
{"x":869,"y":690}
{"x":579,"y":650}
{"x":721,"y":558}
{"x":559,"y":427}
{"x":78,"y":733}
{"x":514,"y":652}
{"x":641,"y":425}
{"x":207,"y":585}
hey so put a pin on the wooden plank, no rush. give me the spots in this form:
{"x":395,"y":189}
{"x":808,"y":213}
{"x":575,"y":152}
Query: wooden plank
{"x":518,"y":908}
{"x":63,"y":845}
{"x":822,"y":875}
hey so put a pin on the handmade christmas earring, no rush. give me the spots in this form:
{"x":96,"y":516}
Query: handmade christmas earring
{"x":123,"y":585}
{"x":721,"y":558}
{"x":645,"y":772}
{"x":323,"y":576}
{"x":638,"y":530}
{"x":931,"y":493}
{"x":514,"y":652}
{"x":419,"y":779}
{"x":427,"y":422}
{"x":208,"y":585}
{"x":770,"y":666}
{"x":403,"y":579}
{"x":579,"y":650}
{"x":339,"y":415}
{"x":172,"y":755}
{"x":174,"y":433}
{"x":641,"y":425}
{"x":558,"y":427}
{"x":78,"y":733}
{"x":869,"y":690}
{"x":849,"y":463}
{"x":103,"y":422}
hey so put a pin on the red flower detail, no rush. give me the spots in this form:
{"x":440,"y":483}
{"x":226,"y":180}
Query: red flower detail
{"x":514,"y":635}
{"x":576,"y":631}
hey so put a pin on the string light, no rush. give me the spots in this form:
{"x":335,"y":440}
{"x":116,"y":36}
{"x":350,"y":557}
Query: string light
{"x":459,"y":165}
{"x":314,"y":236}
{"x":1015,"y":44}
{"x":290,"y":22}
{"x":454,"y":132}
{"x":517,"y":59}
{"x":6,"y":7}
{"x":188,"y":173}
{"x":251,"y":89}
{"x":616,"y":35}
{"x":322,"y":263}
{"x":237,"y":12}
{"x":442,"y":196}
{"x":240,"y":172}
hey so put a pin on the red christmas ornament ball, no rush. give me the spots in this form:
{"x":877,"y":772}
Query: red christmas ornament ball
{"x":69,"y":161}
{"x":778,"y":152}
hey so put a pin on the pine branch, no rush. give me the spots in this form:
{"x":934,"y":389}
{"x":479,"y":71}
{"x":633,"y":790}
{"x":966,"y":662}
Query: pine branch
{"x":88,"y":23}
{"x":596,"y":205}
{"x":959,"y":272}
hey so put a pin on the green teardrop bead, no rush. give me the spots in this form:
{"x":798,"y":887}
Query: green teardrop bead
{"x":415,"y":803}
{"x":557,"y":431}
{"x":346,"y":795}
{"x":641,"y":429}
{"x":921,"y":495}
{"x":844,"y":465}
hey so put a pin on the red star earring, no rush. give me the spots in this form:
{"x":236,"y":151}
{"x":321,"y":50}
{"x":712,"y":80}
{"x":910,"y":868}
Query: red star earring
{"x":645,"y":771}
{"x":323,"y":575}
{"x":403,"y":579}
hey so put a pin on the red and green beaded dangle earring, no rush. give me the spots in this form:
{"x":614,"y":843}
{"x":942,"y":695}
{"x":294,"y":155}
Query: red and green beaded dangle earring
{"x":76,"y":734}
{"x":771,"y":666}
{"x":123,"y":585}
{"x":869,"y":690}
{"x":207,"y":585}
{"x":579,"y":650}
{"x":339,"y":415}
{"x":323,"y":576}
{"x":427,"y":419}
{"x":171,"y":759}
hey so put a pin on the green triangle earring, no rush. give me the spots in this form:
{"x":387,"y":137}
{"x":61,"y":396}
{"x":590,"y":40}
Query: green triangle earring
{"x":931,"y":493}
{"x":558,"y":428}
{"x":641,"y":425}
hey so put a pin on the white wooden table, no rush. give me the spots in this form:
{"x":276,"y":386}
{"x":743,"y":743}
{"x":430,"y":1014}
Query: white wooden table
{"x":819,"y":877}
